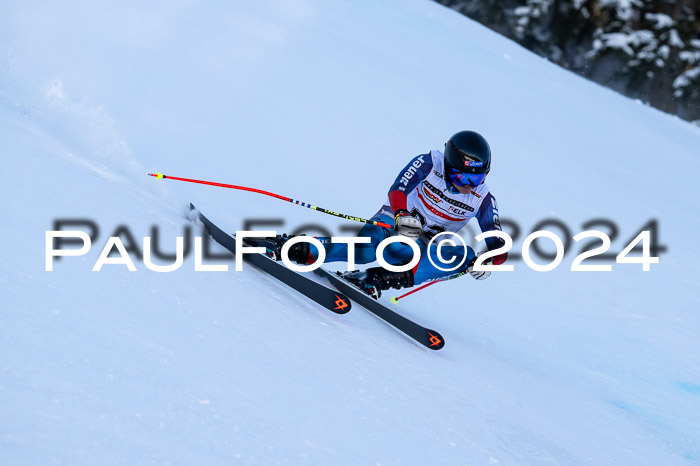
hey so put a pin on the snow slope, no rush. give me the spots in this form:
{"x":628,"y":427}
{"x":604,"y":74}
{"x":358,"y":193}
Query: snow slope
{"x":325,"y":102}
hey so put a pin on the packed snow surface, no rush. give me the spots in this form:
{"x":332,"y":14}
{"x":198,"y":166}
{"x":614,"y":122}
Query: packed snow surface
{"x":326,"y":102}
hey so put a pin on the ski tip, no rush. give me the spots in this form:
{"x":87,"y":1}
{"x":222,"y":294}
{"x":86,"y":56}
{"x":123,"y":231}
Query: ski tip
{"x":435,"y":340}
{"x":342,"y":304}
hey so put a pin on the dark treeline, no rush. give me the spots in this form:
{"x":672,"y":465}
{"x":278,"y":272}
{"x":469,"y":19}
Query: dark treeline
{"x":645,"y":49}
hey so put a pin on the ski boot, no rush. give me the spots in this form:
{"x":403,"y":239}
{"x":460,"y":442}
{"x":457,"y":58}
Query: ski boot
{"x":299,"y":253}
{"x":375,"y":279}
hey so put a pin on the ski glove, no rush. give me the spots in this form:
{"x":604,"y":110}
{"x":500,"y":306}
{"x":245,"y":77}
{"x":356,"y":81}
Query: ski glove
{"x":407,"y":225}
{"x":480,"y":275}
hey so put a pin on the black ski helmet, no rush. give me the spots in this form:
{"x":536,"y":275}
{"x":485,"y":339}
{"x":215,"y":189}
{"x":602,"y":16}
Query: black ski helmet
{"x":468,"y":152}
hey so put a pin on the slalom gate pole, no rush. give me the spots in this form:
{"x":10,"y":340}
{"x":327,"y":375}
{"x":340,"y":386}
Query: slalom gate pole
{"x":159,"y":176}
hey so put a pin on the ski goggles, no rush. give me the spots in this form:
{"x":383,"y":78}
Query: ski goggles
{"x":459,"y":178}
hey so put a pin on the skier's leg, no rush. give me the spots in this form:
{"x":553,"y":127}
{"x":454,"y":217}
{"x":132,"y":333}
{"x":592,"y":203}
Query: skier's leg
{"x":307,"y":253}
{"x":364,"y":252}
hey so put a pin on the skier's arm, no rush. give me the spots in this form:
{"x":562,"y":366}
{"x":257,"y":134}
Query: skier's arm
{"x":415,"y":172}
{"x":489,"y":220}
{"x":407,"y":181}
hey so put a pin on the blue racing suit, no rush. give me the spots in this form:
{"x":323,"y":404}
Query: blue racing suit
{"x":421,"y":190}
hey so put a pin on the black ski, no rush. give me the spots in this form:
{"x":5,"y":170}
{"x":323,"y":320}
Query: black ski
{"x":426,"y":337}
{"x":330,"y":299}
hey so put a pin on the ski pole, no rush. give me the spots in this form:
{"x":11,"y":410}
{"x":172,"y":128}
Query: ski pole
{"x":159,"y":175}
{"x":395,"y":299}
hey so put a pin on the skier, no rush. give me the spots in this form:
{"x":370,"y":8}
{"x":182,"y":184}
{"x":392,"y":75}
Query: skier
{"x":436,"y":192}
